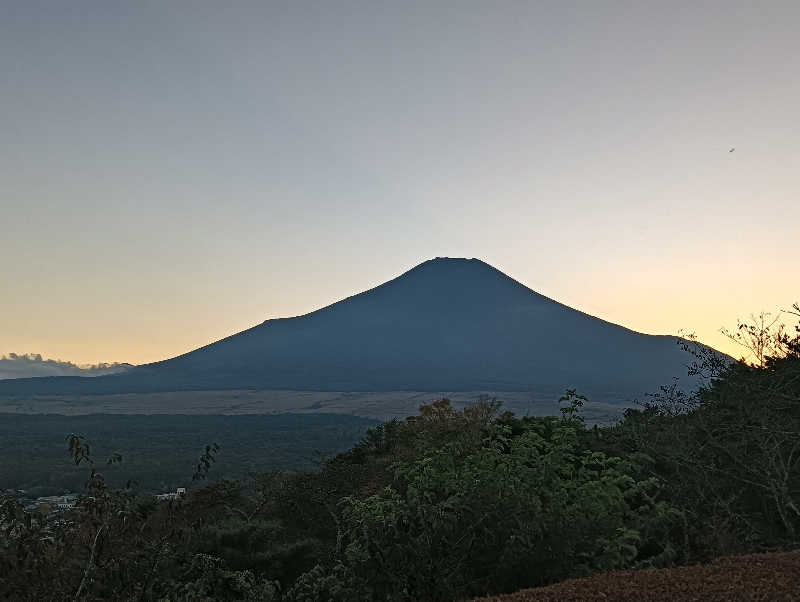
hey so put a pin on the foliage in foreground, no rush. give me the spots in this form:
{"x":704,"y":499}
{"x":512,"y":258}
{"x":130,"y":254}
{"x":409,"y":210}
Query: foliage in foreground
{"x":516,"y":510}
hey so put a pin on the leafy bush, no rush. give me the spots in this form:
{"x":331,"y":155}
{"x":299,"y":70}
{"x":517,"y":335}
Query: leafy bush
{"x":729,"y":453}
{"x":516,"y":511}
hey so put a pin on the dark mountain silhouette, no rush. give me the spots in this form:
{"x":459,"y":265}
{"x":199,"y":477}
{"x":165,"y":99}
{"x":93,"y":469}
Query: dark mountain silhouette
{"x":445,"y":325}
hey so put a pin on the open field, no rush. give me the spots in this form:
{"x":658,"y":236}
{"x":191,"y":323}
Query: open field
{"x":754,"y":577}
{"x":380,"y":406}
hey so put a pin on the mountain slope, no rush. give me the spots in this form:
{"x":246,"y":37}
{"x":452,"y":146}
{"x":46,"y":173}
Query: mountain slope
{"x":445,"y":325}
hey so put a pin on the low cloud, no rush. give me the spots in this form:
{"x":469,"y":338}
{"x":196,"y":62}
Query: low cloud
{"x":26,"y":365}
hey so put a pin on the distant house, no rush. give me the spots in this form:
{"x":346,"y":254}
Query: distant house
{"x":53,"y":503}
{"x":178,"y":493}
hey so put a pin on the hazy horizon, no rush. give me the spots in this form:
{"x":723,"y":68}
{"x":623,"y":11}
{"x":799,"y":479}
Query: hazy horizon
{"x":173,"y":173}
{"x":72,"y":368}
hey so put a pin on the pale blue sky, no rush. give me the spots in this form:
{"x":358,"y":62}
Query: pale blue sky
{"x":173,"y":172}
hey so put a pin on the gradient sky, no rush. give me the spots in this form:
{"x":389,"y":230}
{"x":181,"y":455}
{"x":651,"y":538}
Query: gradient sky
{"x":173,"y":172}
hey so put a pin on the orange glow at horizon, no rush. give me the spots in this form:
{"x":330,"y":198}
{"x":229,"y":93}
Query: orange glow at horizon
{"x":142,"y":338}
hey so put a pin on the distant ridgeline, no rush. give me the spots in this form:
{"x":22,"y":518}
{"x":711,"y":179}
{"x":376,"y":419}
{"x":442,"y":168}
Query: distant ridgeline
{"x":445,"y":325}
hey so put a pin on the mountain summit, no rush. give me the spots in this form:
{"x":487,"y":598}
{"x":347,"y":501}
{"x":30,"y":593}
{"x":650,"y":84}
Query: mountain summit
{"x":445,"y":325}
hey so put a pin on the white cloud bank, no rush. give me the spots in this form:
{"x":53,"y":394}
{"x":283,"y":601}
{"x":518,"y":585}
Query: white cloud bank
{"x":26,"y":365}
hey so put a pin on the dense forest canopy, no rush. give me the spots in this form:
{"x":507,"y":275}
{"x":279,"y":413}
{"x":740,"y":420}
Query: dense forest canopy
{"x":158,"y":450}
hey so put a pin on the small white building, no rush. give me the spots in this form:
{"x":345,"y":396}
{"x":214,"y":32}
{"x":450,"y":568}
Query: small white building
{"x":178,"y":493}
{"x":53,"y":503}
